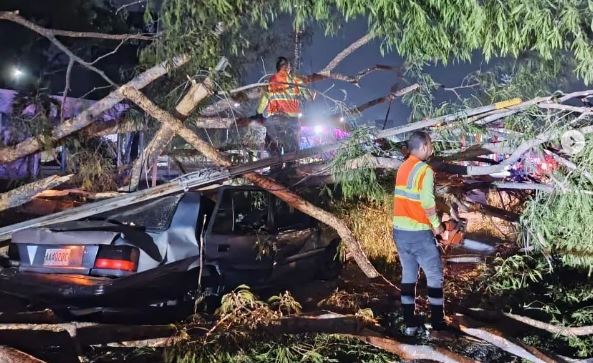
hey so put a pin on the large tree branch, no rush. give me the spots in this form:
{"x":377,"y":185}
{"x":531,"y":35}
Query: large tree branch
{"x":196,"y":93}
{"x":25,"y":193}
{"x":255,"y":91}
{"x":85,"y":118}
{"x":355,"y":80}
{"x":266,"y":183}
{"x":12,"y":355}
{"x":496,"y":338}
{"x":66,"y":88}
{"x":335,"y":119}
{"x":411,"y":352}
{"x":551,"y":328}
{"x":345,"y":53}
{"x":50,"y":34}
{"x":163,"y":136}
{"x":519,"y":151}
{"x":16,"y":18}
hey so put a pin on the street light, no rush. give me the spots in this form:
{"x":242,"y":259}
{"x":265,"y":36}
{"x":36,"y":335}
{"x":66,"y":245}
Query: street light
{"x":17,"y":73}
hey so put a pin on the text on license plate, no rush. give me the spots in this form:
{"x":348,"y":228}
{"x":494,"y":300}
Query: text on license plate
{"x":56,"y":257}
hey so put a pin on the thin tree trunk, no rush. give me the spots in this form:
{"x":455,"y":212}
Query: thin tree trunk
{"x":266,"y":183}
{"x":196,"y":93}
{"x":25,"y":193}
{"x":86,"y":117}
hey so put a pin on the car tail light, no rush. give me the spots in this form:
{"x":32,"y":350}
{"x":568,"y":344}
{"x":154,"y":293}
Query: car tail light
{"x":121,"y":258}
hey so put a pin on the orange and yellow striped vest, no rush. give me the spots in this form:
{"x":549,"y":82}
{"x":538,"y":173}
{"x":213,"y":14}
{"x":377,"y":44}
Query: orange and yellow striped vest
{"x":413,"y":206}
{"x":282,"y":96}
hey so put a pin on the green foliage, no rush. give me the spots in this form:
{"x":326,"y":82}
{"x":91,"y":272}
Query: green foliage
{"x":285,"y":303}
{"x":546,"y":289}
{"x":515,"y":273}
{"x":92,"y":161}
{"x":239,"y":336}
{"x":420,"y":31}
{"x":560,"y":224}
{"x":241,"y":298}
{"x":358,"y":181}
{"x":287,"y":349}
{"x":209,"y":29}
{"x":528,"y":77}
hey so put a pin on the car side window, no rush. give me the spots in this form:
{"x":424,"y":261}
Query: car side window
{"x":242,"y":212}
{"x":287,"y":217}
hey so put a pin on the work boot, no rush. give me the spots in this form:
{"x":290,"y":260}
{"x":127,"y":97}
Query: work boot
{"x":440,"y":329}
{"x":411,"y":321}
{"x":437,"y":317}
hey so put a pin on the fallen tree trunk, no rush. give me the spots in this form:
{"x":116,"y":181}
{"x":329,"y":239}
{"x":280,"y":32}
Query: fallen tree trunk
{"x":196,"y":93}
{"x":330,"y":323}
{"x":78,"y":192}
{"x":565,"y":331}
{"x":86,"y":117}
{"x":46,"y":316}
{"x":12,"y":355}
{"x":192,"y":180}
{"x":266,"y":183}
{"x":82,"y":333}
{"x":409,"y":351}
{"x":71,"y":337}
{"x":25,"y":193}
{"x":98,"y":129}
{"x":496,"y":338}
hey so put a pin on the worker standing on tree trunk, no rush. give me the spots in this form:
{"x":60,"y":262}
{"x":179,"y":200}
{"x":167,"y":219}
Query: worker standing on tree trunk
{"x":281,"y":107}
{"x":415,"y":225}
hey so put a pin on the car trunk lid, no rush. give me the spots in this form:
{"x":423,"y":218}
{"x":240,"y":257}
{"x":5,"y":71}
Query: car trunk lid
{"x":50,"y":251}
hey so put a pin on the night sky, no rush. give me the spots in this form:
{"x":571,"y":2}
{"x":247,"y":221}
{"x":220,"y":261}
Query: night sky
{"x":20,"y":46}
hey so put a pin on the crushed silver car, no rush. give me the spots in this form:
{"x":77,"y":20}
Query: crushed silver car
{"x":169,"y":250}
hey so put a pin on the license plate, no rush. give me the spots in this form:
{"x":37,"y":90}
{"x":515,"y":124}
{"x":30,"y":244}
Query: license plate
{"x":56,"y":257}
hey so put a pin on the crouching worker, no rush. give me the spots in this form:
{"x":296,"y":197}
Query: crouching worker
{"x":415,"y":225}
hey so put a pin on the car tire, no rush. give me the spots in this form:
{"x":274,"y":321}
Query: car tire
{"x":331,"y":265}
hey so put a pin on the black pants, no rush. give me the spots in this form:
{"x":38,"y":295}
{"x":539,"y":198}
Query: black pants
{"x":283,"y":135}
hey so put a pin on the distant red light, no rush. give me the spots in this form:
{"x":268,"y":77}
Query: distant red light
{"x":109,"y":264}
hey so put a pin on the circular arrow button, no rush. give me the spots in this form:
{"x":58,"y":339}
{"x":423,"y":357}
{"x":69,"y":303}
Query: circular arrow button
{"x":573,"y":142}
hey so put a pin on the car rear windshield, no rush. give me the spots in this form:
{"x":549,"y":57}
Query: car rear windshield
{"x":154,"y":214}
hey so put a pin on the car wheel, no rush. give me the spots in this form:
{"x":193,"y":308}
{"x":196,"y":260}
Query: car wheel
{"x":331,"y":264}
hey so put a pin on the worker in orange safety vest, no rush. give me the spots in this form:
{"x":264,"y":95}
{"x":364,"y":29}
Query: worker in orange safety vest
{"x":281,"y":107}
{"x":415,"y":225}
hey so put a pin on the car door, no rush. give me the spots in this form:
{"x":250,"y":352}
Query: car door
{"x":297,"y":234}
{"x":238,"y":236}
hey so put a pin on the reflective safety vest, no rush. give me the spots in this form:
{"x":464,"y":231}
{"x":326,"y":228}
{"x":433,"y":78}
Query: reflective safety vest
{"x":282,"y":96}
{"x":414,"y":207}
